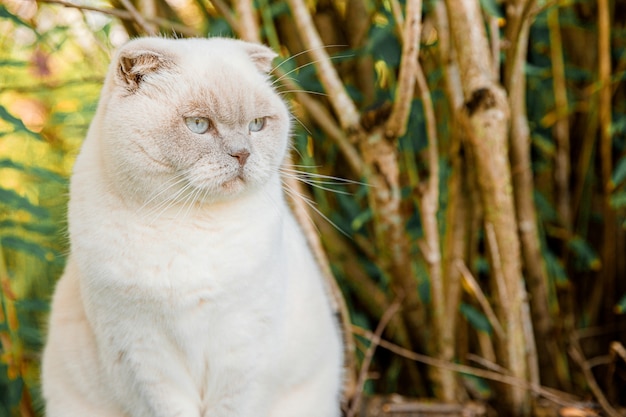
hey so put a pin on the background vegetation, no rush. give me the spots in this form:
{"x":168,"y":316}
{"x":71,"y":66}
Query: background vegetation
{"x":482,"y":252}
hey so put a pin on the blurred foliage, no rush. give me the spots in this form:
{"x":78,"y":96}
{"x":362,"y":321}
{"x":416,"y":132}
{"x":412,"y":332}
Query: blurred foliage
{"x":52,"y":63}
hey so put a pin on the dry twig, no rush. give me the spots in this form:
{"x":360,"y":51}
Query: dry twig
{"x":369,"y":355}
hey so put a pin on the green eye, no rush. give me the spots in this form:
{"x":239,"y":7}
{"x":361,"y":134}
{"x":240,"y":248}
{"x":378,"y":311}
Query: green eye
{"x":197,"y":125}
{"x":257,"y":124}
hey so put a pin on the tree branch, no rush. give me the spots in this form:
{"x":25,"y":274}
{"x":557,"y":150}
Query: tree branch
{"x":343,"y":105}
{"x":397,"y":122}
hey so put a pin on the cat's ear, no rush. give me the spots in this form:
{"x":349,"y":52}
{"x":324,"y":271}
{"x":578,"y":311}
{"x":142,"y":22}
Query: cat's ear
{"x":261,"y":55}
{"x":134,"y":64}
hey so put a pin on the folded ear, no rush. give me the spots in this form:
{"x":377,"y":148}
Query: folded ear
{"x":261,"y":55}
{"x":134,"y":64}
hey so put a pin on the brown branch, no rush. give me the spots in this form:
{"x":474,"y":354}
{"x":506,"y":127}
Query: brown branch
{"x":248,"y":28}
{"x":609,"y":238}
{"x":555,"y":396}
{"x":369,"y":355}
{"x":138,"y":18}
{"x":343,"y":105}
{"x":125,"y":15}
{"x":478,"y":293}
{"x":326,"y":122}
{"x":397,"y":122}
{"x":227,"y":14}
{"x":576,"y":354}
{"x":561,"y":126}
{"x":445,"y":339}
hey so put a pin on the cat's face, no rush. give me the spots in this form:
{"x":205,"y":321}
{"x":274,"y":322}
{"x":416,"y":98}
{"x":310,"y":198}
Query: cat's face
{"x":192,"y":120}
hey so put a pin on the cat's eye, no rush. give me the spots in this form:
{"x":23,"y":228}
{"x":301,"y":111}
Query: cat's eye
{"x":257,"y":124}
{"x":197,"y":125}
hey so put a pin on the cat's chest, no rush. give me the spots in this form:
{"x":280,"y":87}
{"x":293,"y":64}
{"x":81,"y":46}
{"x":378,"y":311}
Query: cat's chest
{"x":188,"y":262}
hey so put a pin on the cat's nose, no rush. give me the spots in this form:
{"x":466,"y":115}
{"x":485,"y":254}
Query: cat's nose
{"x":241,"y":156}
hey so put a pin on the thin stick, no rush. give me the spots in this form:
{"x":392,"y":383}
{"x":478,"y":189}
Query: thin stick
{"x":327,"y":123}
{"x":576,"y":354}
{"x":477,"y":292}
{"x":125,"y":15}
{"x":549,"y":394}
{"x":369,"y":355}
{"x":397,"y":123}
{"x":343,"y":105}
{"x":138,"y":18}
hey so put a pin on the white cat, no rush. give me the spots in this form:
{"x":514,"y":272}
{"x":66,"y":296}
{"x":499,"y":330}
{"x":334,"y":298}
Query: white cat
{"x":190,"y":290}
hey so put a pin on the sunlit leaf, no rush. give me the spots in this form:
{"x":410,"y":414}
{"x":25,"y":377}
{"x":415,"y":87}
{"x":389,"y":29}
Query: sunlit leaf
{"x":28,"y":247}
{"x":11,"y":199}
{"x":40,"y":227}
{"x":4,"y":13}
{"x":33,"y":170}
{"x":17,"y":123}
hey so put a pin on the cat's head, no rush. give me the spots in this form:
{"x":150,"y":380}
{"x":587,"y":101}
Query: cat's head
{"x":191,"y":120}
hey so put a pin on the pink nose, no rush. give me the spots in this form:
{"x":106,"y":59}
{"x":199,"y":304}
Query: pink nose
{"x":242,"y":156}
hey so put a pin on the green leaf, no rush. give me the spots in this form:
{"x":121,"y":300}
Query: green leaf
{"x":15,"y":201}
{"x":12,"y":63}
{"x":4,"y":13}
{"x":585,"y":257}
{"x":475,"y":317}
{"x":618,"y":200}
{"x":620,"y":307}
{"x":383,"y":45}
{"x":42,"y":228}
{"x":17,"y":123}
{"x":491,"y":7}
{"x":555,"y":268}
{"x":36,"y":171}
{"x":29,"y":247}
{"x":619,"y":174}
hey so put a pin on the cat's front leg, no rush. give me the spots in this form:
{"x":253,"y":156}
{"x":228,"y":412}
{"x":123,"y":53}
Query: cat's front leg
{"x":148,"y":382}
{"x":145,"y":370}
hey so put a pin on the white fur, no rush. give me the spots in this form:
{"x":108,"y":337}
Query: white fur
{"x":190,"y":290}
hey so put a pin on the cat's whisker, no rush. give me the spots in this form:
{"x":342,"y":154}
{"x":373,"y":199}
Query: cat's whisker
{"x":312,"y":175}
{"x":318,"y":184}
{"x":302,"y":91}
{"x":168,"y":203}
{"x":172,"y":182}
{"x":193,"y":199}
{"x":301,"y":124}
{"x":306,"y":65}
{"x":292,"y":57}
{"x":296,"y":195}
